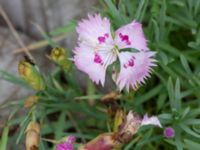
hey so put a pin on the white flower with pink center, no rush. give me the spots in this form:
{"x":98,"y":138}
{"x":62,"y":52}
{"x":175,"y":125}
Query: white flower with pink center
{"x":97,"y":49}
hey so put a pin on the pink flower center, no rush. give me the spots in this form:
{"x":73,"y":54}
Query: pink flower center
{"x":106,"y":35}
{"x":130,"y":63}
{"x":102,"y":39}
{"x":97,"y":59}
{"x":124,"y":38}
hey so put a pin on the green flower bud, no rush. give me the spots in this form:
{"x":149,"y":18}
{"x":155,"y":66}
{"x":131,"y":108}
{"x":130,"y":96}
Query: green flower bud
{"x":60,"y":57}
{"x":31,"y":75}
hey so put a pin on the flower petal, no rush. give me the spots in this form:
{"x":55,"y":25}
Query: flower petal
{"x":67,"y":145}
{"x":95,"y":31}
{"x":131,"y":36}
{"x":134,"y":68}
{"x":94,"y":63}
{"x":151,"y":121}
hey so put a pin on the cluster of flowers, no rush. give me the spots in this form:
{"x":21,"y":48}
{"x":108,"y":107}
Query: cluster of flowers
{"x":98,"y":47}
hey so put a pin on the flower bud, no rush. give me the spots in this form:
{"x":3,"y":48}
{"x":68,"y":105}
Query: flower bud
{"x":31,"y":75}
{"x":59,"y":56}
{"x":32,"y":136}
{"x":30,"y":101}
{"x":169,"y":132}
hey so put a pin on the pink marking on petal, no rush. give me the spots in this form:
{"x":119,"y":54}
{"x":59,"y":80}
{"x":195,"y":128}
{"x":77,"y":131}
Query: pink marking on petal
{"x":101,"y":39}
{"x":106,"y":35}
{"x":134,"y":70}
{"x":124,"y":38}
{"x":98,"y":59}
{"x":92,"y":28}
{"x":130,"y":63}
{"x":125,"y":66}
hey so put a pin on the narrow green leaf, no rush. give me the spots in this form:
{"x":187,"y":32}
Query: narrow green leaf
{"x":129,"y":146}
{"x":191,"y":121}
{"x":185,"y":112}
{"x":170,"y":89}
{"x":185,"y":64}
{"x":4,"y":138}
{"x":156,"y":30}
{"x":177,"y":94}
{"x":60,"y":125}
{"x":115,"y":13}
{"x":192,"y":145}
{"x":13,"y":79}
{"x":189,"y":131}
{"x":89,"y":97}
{"x":139,"y":10}
{"x":22,"y":131}
{"x":162,"y":19}
{"x":147,"y":96}
{"x":64,"y":29}
{"x":178,"y":142}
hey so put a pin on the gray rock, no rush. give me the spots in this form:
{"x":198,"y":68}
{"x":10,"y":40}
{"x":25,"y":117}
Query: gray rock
{"x":9,"y":63}
{"x":49,"y":14}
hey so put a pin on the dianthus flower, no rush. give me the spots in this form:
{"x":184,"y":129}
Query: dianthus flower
{"x":98,"y":48}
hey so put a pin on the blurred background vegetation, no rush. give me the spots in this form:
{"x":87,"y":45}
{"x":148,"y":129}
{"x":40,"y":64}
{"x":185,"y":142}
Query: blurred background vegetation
{"x":72,"y":105}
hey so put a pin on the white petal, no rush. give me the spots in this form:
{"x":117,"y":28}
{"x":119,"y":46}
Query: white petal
{"x":134,"y":69}
{"x":131,"y":36}
{"x":95,"y":31}
{"x":94,"y":63}
{"x":151,"y":121}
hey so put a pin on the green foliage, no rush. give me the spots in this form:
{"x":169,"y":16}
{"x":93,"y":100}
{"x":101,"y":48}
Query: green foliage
{"x":66,"y":108}
{"x":172,"y":27}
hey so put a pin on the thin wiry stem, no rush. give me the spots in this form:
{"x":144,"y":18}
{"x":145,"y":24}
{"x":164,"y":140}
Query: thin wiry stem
{"x":15,"y":34}
{"x":75,"y":125}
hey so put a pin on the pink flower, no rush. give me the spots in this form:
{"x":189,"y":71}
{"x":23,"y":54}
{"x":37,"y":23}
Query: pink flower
{"x":67,"y":145}
{"x":98,"y":48}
